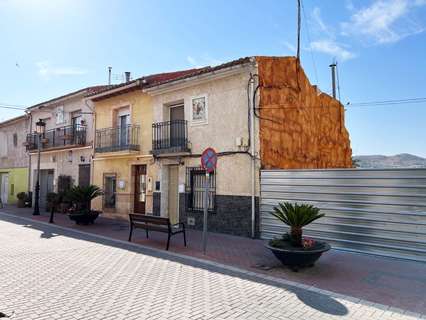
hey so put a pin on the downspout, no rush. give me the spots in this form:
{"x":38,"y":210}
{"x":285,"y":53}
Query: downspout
{"x":253,"y":159}
{"x":29,"y":153}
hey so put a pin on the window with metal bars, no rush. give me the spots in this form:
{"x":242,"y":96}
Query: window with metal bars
{"x":195,"y":183}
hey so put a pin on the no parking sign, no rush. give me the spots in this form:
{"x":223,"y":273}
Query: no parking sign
{"x":209,"y":160}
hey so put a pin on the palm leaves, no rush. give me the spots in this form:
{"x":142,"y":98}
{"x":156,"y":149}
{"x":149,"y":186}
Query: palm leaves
{"x":296,"y":217}
{"x":82,"y":196}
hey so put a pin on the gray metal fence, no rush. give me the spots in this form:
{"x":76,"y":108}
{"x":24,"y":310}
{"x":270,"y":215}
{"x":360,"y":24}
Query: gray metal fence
{"x":379,"y":211}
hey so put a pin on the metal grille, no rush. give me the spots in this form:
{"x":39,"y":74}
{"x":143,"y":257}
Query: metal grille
{"x":367,"y":210}
{"x":170,"y":136}
{"x":59,"y":137}
{"x":117,"y":139}
{"x":195,"y":183}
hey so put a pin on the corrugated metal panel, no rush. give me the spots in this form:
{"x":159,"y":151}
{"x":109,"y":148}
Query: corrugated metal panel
{"x":379,"y":211}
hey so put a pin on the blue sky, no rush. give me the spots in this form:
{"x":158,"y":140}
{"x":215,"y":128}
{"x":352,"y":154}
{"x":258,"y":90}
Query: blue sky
{"x":49,"y":48}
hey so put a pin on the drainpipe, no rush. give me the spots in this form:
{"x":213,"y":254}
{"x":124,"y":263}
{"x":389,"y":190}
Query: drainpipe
{"x":30,"y":116}
{"x":253,"y":159}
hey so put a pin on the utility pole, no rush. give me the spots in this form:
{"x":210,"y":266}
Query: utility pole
{"x":298,"y":29}
{"x":333,"y":78}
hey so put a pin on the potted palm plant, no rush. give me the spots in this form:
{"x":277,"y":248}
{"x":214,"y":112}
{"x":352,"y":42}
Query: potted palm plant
{"x":81,"y":198}
{"x":292,"y":249}
{"x":22,"y":197}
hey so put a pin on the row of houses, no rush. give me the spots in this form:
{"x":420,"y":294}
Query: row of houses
{"x":141,"y":140}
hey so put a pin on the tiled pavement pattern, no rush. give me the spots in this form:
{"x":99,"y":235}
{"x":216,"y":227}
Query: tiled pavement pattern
{"x":52,"y":273}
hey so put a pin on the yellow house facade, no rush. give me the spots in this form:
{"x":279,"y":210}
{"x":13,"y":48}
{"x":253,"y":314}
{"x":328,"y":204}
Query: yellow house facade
{"x":122,"y":151}
{"x":123,"y":164}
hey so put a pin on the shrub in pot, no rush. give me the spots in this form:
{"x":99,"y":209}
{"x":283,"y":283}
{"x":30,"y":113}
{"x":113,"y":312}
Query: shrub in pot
{"x":22,"y":197}
{"x":292,"y":249}
{"x":81,"y":198}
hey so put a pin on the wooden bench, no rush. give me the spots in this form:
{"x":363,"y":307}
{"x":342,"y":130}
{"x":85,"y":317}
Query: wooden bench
{"x":153,"y":223}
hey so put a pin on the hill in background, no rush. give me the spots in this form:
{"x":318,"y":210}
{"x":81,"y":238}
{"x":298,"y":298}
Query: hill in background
{"x":403,"y":160}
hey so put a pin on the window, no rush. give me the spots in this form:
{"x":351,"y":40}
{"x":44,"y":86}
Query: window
{"x":199,"y":110}
{"x":195,"y":181}
{"x":110,"y":189}
{"x":60,"y":115}
{"x":15,"y":139}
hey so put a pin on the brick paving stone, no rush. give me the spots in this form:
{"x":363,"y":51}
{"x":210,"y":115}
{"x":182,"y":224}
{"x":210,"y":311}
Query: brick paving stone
{"x":75,"y":276}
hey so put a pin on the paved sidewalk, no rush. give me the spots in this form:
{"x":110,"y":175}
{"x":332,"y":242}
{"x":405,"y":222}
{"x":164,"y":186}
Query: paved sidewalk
{"x":397,"y":283}
{"x":48,"y":272}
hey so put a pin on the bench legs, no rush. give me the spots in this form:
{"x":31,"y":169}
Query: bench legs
{"x":130,"y":233}
{"x":184,"y":236}
{"x":168,"y":241}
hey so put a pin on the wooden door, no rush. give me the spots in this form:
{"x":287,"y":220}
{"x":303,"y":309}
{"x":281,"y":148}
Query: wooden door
{"x":173,"y":194}
{"x":177,"y":132}
{"x":140,"y":189}
{"x":84,"y":175}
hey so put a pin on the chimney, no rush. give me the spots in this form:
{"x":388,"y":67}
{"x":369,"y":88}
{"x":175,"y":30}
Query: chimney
{"x":127,"y":76}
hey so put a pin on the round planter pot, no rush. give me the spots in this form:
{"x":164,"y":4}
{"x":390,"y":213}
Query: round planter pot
{"x":296,"y":258}
{"x":85,"y":218}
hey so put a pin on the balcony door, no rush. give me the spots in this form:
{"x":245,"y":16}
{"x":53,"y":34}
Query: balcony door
{"x":122,"y":124}
{"x":177,"y":129}
{"x":140,"y":189}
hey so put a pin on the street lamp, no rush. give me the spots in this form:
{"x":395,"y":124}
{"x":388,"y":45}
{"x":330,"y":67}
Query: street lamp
{"x":40,"y":128}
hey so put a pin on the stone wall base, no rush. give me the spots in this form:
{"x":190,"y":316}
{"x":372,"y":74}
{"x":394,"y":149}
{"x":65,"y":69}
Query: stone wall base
{"x":232,"y":215}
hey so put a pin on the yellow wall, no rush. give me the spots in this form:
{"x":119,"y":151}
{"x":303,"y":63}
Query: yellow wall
{"x":121,"y":163}
{"x":140,"y":114}
{"x":18,"y":177}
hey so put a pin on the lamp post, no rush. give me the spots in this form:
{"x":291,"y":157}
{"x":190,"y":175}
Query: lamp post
{"x":40,"y":127}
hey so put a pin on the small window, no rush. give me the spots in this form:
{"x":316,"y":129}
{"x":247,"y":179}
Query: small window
{"x":15,"y":139}
{"x":60,"y":115}
{"x":195,"y":183}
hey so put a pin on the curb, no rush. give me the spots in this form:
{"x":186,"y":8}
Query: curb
{"x":251,"y":274}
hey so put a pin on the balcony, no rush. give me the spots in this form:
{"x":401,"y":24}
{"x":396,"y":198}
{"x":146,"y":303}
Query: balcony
{"x":170,"y":137}
{"x":117,"y":139}
{"x":57,"y":138}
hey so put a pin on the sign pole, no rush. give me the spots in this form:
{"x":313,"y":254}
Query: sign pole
{"x":208,"y":163}
{"x":206,"y":209}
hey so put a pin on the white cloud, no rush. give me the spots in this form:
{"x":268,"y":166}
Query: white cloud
{"x":290,"y":47}
{"x":203,"y":61}
{"x":332,"y":48}
{"x":384,"y":21}
{"x":46,"y":70}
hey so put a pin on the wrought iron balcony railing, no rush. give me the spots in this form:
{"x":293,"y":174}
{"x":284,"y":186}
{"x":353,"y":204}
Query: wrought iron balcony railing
{"x":117,"y":139}
{"x":74,"y":135}
{"x":170,"y":137}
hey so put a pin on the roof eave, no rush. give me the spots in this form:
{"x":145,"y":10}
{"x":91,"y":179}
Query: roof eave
{"x":113,"y":91}
{"x":187,"y":81}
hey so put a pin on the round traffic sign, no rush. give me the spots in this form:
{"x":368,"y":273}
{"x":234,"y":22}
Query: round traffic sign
{"x":209,"y":160}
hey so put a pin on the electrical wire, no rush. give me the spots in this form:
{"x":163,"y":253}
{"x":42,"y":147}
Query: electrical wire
{"x":309,"y":39}
{"x":11,"y":107}
{"x":386,"y":102}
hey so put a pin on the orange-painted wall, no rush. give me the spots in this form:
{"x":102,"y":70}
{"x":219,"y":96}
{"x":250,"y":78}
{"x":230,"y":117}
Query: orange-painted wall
{"x":300,"y":127}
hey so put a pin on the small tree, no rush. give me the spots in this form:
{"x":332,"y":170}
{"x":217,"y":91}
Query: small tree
{"x":296,"y":217}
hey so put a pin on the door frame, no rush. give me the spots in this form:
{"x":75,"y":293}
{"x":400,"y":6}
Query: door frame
{"x":4,"y":192}
{"x":177,"y":192}
{"x":135,"y":171}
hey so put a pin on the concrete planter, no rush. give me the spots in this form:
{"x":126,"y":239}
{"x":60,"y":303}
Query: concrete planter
{"x":298,"y":257}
